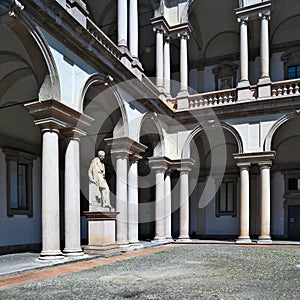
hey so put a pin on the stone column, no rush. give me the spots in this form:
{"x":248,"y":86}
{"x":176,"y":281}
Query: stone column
{"x":50,"y":195}
{"x":168,"y":205}
{"x":133,"y":28}
{"x":184,"y":204}
{"x":122,"y":23}
{"x":133,"y":201}
{"x":72,"y":196}
{"x":167,"y":66}
{"x":183,"y":63}
{"x":121,"y":196}
{"x":244,"y":62}
{"x":159,"y":203}
{"x":244,"y":203}
{"x":265,"y":202}
{"x":264,"y":47}
{"x":159,"y":58}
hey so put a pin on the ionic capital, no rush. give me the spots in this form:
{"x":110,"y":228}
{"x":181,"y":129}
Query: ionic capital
{"x":265,"y":15}
{"x":243,"y":20}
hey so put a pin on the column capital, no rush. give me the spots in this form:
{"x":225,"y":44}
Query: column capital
{"x":183,"y":35}
{"x":185,"y":165}
{"x":126,"y":145}
{"x":73,"y":133}
{"x":266,"y":15}
{"x":134,"y":158}
{"x":265,"y":164}
{"x":52,"y":114}
{"x":158,"y":164}
{"x":254,"y":157}
{"x":244,"y":165}
{"x":243,"y":19}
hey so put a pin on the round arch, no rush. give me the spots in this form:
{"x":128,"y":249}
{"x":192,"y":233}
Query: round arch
{"x":103,"y":79}
{"x":51,"y":81}
{"x":275,"y":127}
{"x":154,"y":127}
{"x":281,"y":24}
{"x":220,"y":34}
{"x":186,"y":148}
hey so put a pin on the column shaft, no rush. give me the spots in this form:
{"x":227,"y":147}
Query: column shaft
{"x":133,"y":203}
{"x":122,"y":23}
{"x":244,"y":204}
{"x":265,"y":203}
{"x":168,"y":206}
{"x":133,"y":28}
{"x":50,"y":196}
{"x":121,"y":198}
{"x":264,"y":47}
{"x":72,"y":199}
{"x":184,"y":205}
{"x":167,"y":66}
{"x":159,"y":58}
{"x":244,"y":51}
{"x":183,"y":64}
{"x":159,"y":205}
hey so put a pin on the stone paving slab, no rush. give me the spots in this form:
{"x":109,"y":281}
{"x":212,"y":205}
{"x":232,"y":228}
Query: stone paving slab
{"x":174,"y":271}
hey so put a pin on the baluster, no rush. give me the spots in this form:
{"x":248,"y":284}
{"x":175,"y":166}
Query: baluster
{"x":196,"y":103}
{"x":291,"y":90}
{"x":205,"y":102}
{"x":210,"y":101}
{"x":273,"y":92}
{"x":279,"y":91}
{"x":285,"y":91}
{"x":225,"y":99}
{"x":215,"y":100}
{"x":230,"y":98}
{"x":192,"y":103}
{"x":297,"y":88}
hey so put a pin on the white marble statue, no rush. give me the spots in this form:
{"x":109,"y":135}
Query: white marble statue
{"x":99,"y":194}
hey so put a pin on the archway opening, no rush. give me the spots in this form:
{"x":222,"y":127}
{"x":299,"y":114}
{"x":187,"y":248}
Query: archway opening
{"x":101,"y":103}
{"x":214,"y":186}
{"x":285,"y":193}
{"x":150,"y":137}
{"x":22,"y":71}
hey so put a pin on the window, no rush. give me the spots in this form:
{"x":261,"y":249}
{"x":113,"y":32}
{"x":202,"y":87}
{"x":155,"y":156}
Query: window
{"x":19,"y":182}
{"x":225,"y":75}
{"x":294,"y":184}
{"x":291,"y":60}
{"x":293,"y":72}
{"x":226,"y":199}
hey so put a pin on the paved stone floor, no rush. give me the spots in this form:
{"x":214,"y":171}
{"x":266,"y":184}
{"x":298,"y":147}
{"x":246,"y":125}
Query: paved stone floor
{"x":168,"y":272}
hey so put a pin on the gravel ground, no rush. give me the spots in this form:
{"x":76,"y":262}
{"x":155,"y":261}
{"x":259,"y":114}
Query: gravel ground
{"x":186,"y":272}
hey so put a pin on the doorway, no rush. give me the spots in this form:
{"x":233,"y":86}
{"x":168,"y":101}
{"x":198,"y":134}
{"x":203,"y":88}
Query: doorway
{"x":294,"y":222}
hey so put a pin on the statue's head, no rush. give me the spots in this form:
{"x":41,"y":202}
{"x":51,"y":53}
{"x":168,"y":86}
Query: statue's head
{"x":101,"y":154}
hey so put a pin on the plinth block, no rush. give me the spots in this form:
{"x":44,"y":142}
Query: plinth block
{"x":102,"y":233}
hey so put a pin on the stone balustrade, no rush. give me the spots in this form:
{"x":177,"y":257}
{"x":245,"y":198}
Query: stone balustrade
{"x":103,"y":39}
{"x":216,"y":98}
{"x":286,"y":88}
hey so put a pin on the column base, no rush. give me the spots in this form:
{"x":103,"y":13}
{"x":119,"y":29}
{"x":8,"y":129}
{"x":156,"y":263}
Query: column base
{"x":73,"y":252}
{"x":243,"y":240}
{"x":51,"y":255}
{"x":264,"y":240}
{"x":134,"y":242}
{"x":103,"y":251}
{"x":123,"y":243}
{"x":159,"y":238}
{"x":184,"y":238}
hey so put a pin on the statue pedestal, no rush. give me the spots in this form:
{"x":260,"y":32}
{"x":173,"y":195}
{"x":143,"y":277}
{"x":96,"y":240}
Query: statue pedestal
{"x":102,"y":233}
